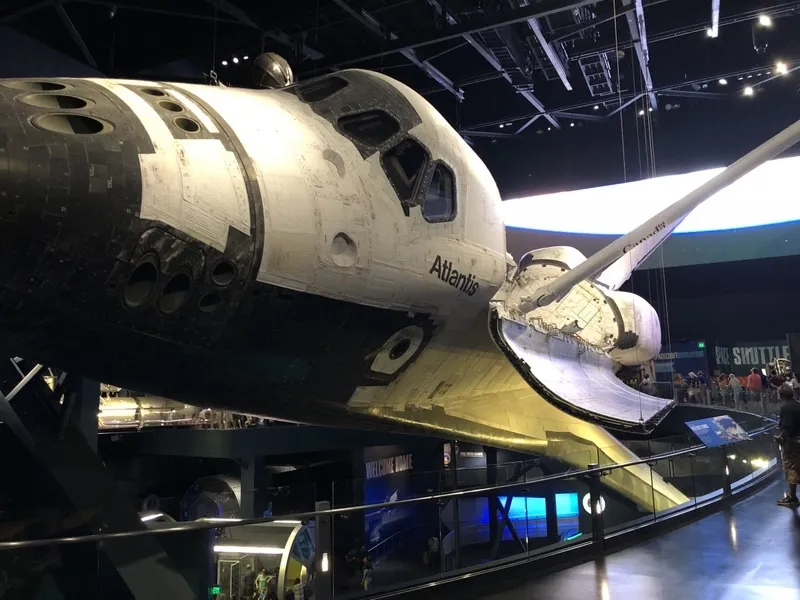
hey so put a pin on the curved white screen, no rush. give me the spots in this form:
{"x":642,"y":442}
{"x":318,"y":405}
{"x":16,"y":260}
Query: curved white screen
{"x":766,"y":196}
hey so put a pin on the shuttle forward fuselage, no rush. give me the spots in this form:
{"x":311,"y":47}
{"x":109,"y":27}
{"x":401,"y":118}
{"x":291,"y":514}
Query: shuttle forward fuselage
{"x":270,"y":251}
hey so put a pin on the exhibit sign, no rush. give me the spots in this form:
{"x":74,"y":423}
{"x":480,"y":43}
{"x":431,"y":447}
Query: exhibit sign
{"x":389,"y":466}
{"x":683,"y":358}
{"x":718,"y":431}
{"x":743,"y":356}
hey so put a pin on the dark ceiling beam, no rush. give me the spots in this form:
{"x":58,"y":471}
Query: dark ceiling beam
{"x":487,"y":134}
{"x":549,"y":50}
{"x":75,"y":34}
{"x":426,"y":37}
{"x":638,"y":32}
{"x":774,"y":12}
{"x":692,"y":94}
{"x":270,"y":32}
{"x":489,"y":57}
{"x":371,"y":23}
{"x":629,"y":98}
{"x":158,"y":11}
{"x":21,"y":12}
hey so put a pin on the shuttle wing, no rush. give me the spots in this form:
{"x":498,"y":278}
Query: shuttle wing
{"x":613,"y":265}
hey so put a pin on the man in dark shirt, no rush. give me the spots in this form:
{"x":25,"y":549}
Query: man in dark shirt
{"x":249,"y":583}
{"x":789,"y":438}
{"x":775,"y":380}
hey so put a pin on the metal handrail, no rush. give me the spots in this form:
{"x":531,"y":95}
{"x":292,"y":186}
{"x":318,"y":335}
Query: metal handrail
{"x":455,"y":494}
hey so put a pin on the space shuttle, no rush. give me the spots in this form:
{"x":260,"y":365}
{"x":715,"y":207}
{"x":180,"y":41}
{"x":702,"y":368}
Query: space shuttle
{"x":328,"y":252}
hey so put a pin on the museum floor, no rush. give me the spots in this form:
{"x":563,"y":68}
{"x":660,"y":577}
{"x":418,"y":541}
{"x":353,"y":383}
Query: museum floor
{"x":751,"y":550}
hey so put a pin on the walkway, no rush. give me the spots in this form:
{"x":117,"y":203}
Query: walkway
{"x":750,"y":551}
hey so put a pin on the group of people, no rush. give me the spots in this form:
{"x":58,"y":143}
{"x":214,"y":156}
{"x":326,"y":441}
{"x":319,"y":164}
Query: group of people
{"x":264,"y":586}
{"x":359,"y":565}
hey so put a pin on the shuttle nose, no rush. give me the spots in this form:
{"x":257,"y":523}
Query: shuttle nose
{"x":76,"y":250}
{"x":69,"y":188}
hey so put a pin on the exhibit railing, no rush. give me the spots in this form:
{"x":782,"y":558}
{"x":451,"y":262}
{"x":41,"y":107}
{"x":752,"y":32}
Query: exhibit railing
{"x":463,"y":531}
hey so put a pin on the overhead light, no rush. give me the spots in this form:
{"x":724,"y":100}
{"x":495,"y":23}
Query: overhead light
{"x":549,"y":129}
{"x":324,"y":566}
{"x":750,"y":76}
{"x":152,"y":517}
{"x":650,"y":109}
{"x":781,"y":68}
{"x":765,"y":20}
{"x":597,"y":107}
{"x":641,"y":113}
{"x":740,"y":77}
{"x":245,"y":57}
{"x":224,"y":63}
{"x":723,"y":81}
{"x":572,"y":124}
{"x":272,"y":550}
{"x":508,"y":124}
{"x":235,"y":60}
{"x":711,"y":33}
{"x":748,"y":91}
{"x":501,"y":125}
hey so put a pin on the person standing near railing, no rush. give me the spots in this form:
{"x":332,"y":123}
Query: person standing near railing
{"x":753,"y":385}
{"x":735,"y":387}
{"x":789,"y":440}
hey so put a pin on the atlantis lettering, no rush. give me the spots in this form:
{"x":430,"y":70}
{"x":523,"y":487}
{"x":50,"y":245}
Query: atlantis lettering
{"x":445,"y":271}
{"x":661,"y":226}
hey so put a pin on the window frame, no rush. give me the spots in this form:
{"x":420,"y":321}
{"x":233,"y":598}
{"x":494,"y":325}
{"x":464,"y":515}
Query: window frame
{"x":438,"y":163}
{"x":299,"y":87}
{"x":354,"y":139}
{"x":414,"y":198}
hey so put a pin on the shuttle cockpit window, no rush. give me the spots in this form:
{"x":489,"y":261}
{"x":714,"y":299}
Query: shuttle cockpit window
{"x":439,"y":204}
{"x":372,"y":127}
{"x":405,"y":165}
{"x":320,"y":89}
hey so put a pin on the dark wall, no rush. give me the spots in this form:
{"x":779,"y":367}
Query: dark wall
{"x":737,"y":301}
{"x":22,"y":56}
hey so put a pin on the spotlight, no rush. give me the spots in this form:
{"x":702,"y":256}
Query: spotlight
{"x":235,"y":60}
{"x":650,"y":109}
{"x":723,"y":81}
{"x":748,"y":91}
{"x":572,"y":124}
{"x":597,"y":107}
{"x":781,"y":68}
{"x":501,"y":125}
{"x":765,"y":20}
{"x":641,"y":113}
{"x":549,"y":129}
{"x":245,"y":57}
{"x":224,"y":63}
{"x":710,"y":33}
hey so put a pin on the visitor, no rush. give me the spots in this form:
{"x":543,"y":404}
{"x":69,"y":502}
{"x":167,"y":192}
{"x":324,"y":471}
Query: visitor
{"x":796,"y":386}
{"x":366,"y":574}
{"x":736,"y":389}
{"x":754,"y":384}
{"x":298,"y":590}
{"x":248,"y":583}
{"x":789,"y":440}
{"x":261,"y":584}
{"x":648,"y":387}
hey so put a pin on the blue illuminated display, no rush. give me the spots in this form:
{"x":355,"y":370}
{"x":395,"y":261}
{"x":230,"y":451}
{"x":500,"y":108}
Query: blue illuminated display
{"x":567,"y":505}
{"x":522,"y":508}
{"x":535,"y":508}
